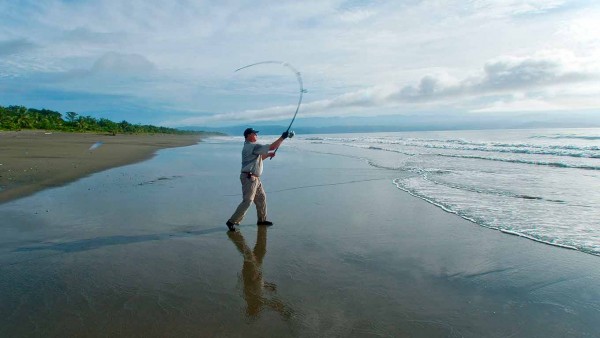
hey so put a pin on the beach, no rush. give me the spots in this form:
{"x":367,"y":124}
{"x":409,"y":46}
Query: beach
{"x":34,"y":160}
{"x":143,"y":250}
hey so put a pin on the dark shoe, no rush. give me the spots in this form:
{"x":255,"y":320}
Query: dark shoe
{"x":264,"y":223}
{"x":231,"y":226}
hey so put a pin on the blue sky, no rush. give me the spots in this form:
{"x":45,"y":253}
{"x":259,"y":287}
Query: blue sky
{"x":172,"y":62}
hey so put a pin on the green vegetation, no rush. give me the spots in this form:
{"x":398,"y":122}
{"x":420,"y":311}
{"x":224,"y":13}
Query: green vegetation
{"x":19,"y":117}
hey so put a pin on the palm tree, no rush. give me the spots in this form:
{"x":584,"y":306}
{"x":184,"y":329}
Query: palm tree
{"x":25,"y":121}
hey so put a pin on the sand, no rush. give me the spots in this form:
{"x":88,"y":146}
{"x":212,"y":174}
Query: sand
{"x":34,"y":160}
{"x":143,"y":251}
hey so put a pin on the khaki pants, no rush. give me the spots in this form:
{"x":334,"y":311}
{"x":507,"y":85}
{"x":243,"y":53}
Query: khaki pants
{"x":253,"y":191}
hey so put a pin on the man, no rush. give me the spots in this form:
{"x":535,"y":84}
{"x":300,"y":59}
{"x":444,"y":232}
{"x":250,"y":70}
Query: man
{"x":253,"y":155}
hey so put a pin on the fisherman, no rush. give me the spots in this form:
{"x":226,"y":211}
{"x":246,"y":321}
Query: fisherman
{"x":253,"y":155}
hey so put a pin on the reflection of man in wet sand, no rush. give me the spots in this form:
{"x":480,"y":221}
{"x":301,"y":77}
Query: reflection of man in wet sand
{"x":252,"y":275}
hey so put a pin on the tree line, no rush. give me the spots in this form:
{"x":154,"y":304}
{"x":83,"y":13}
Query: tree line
{"x":19,"y":117}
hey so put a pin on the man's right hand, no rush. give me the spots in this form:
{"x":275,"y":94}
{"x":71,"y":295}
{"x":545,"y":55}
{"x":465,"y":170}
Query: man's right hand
{"x":285,"y":135}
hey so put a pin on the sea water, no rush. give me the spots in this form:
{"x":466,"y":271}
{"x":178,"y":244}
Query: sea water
{"x":540,"y":184}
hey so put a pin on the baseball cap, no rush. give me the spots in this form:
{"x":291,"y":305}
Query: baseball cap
{"x":249,"y":131}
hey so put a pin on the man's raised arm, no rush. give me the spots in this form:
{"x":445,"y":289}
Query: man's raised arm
{"x":276,"y":145}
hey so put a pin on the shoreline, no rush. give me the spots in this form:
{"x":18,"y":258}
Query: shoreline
{"x":33,"y":160}
{"x":504,"y":231}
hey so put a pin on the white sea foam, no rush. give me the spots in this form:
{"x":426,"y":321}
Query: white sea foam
{"x":539,"y":185}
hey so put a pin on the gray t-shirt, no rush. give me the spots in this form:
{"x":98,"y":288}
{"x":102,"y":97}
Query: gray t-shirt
{"x":251,"y":159}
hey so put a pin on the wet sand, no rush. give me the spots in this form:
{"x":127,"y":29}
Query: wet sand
{"x":142,"y":250}
{"x":35,"y":160}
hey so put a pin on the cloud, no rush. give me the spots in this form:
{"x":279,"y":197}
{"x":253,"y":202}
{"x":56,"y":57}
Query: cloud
{"x":516,"y":7}
{"x":87,"y":36}
{"x":523,"y":105}
{"x":506,"y":75}
{"x":123,"y":64}
{"x":546,"y":68}
{"x":356,"y":15}
{"x":15,"y":46}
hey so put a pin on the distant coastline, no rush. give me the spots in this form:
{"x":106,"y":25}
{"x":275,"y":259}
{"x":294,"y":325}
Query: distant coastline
{"x":40,"y":149}
{"x":22,"y":118}
{"x":408,"y":124}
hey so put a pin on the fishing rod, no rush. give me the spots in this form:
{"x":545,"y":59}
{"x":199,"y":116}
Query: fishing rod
{"x":300,"y":83}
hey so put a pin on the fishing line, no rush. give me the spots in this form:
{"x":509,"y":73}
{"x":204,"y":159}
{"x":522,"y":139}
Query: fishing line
{"x":319,"y":185}
{"x":300,"y":83}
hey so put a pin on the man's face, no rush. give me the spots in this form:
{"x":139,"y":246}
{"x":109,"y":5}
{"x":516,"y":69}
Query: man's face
{"x":252,"y":137}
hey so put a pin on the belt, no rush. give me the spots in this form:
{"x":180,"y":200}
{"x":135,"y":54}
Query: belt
{"x":249,"y":173}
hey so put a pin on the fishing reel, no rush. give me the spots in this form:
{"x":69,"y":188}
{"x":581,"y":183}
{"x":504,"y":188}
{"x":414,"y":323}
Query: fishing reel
{"x":291,"y":134}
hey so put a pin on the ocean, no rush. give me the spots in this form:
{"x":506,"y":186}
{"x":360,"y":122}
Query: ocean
{"x":540,"y":184}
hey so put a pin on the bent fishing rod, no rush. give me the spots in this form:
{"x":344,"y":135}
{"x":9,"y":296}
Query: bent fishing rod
{"x":300,"y":83}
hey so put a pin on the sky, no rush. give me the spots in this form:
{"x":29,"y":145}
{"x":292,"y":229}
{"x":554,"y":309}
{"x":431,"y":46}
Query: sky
{"x":173,"y":63}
